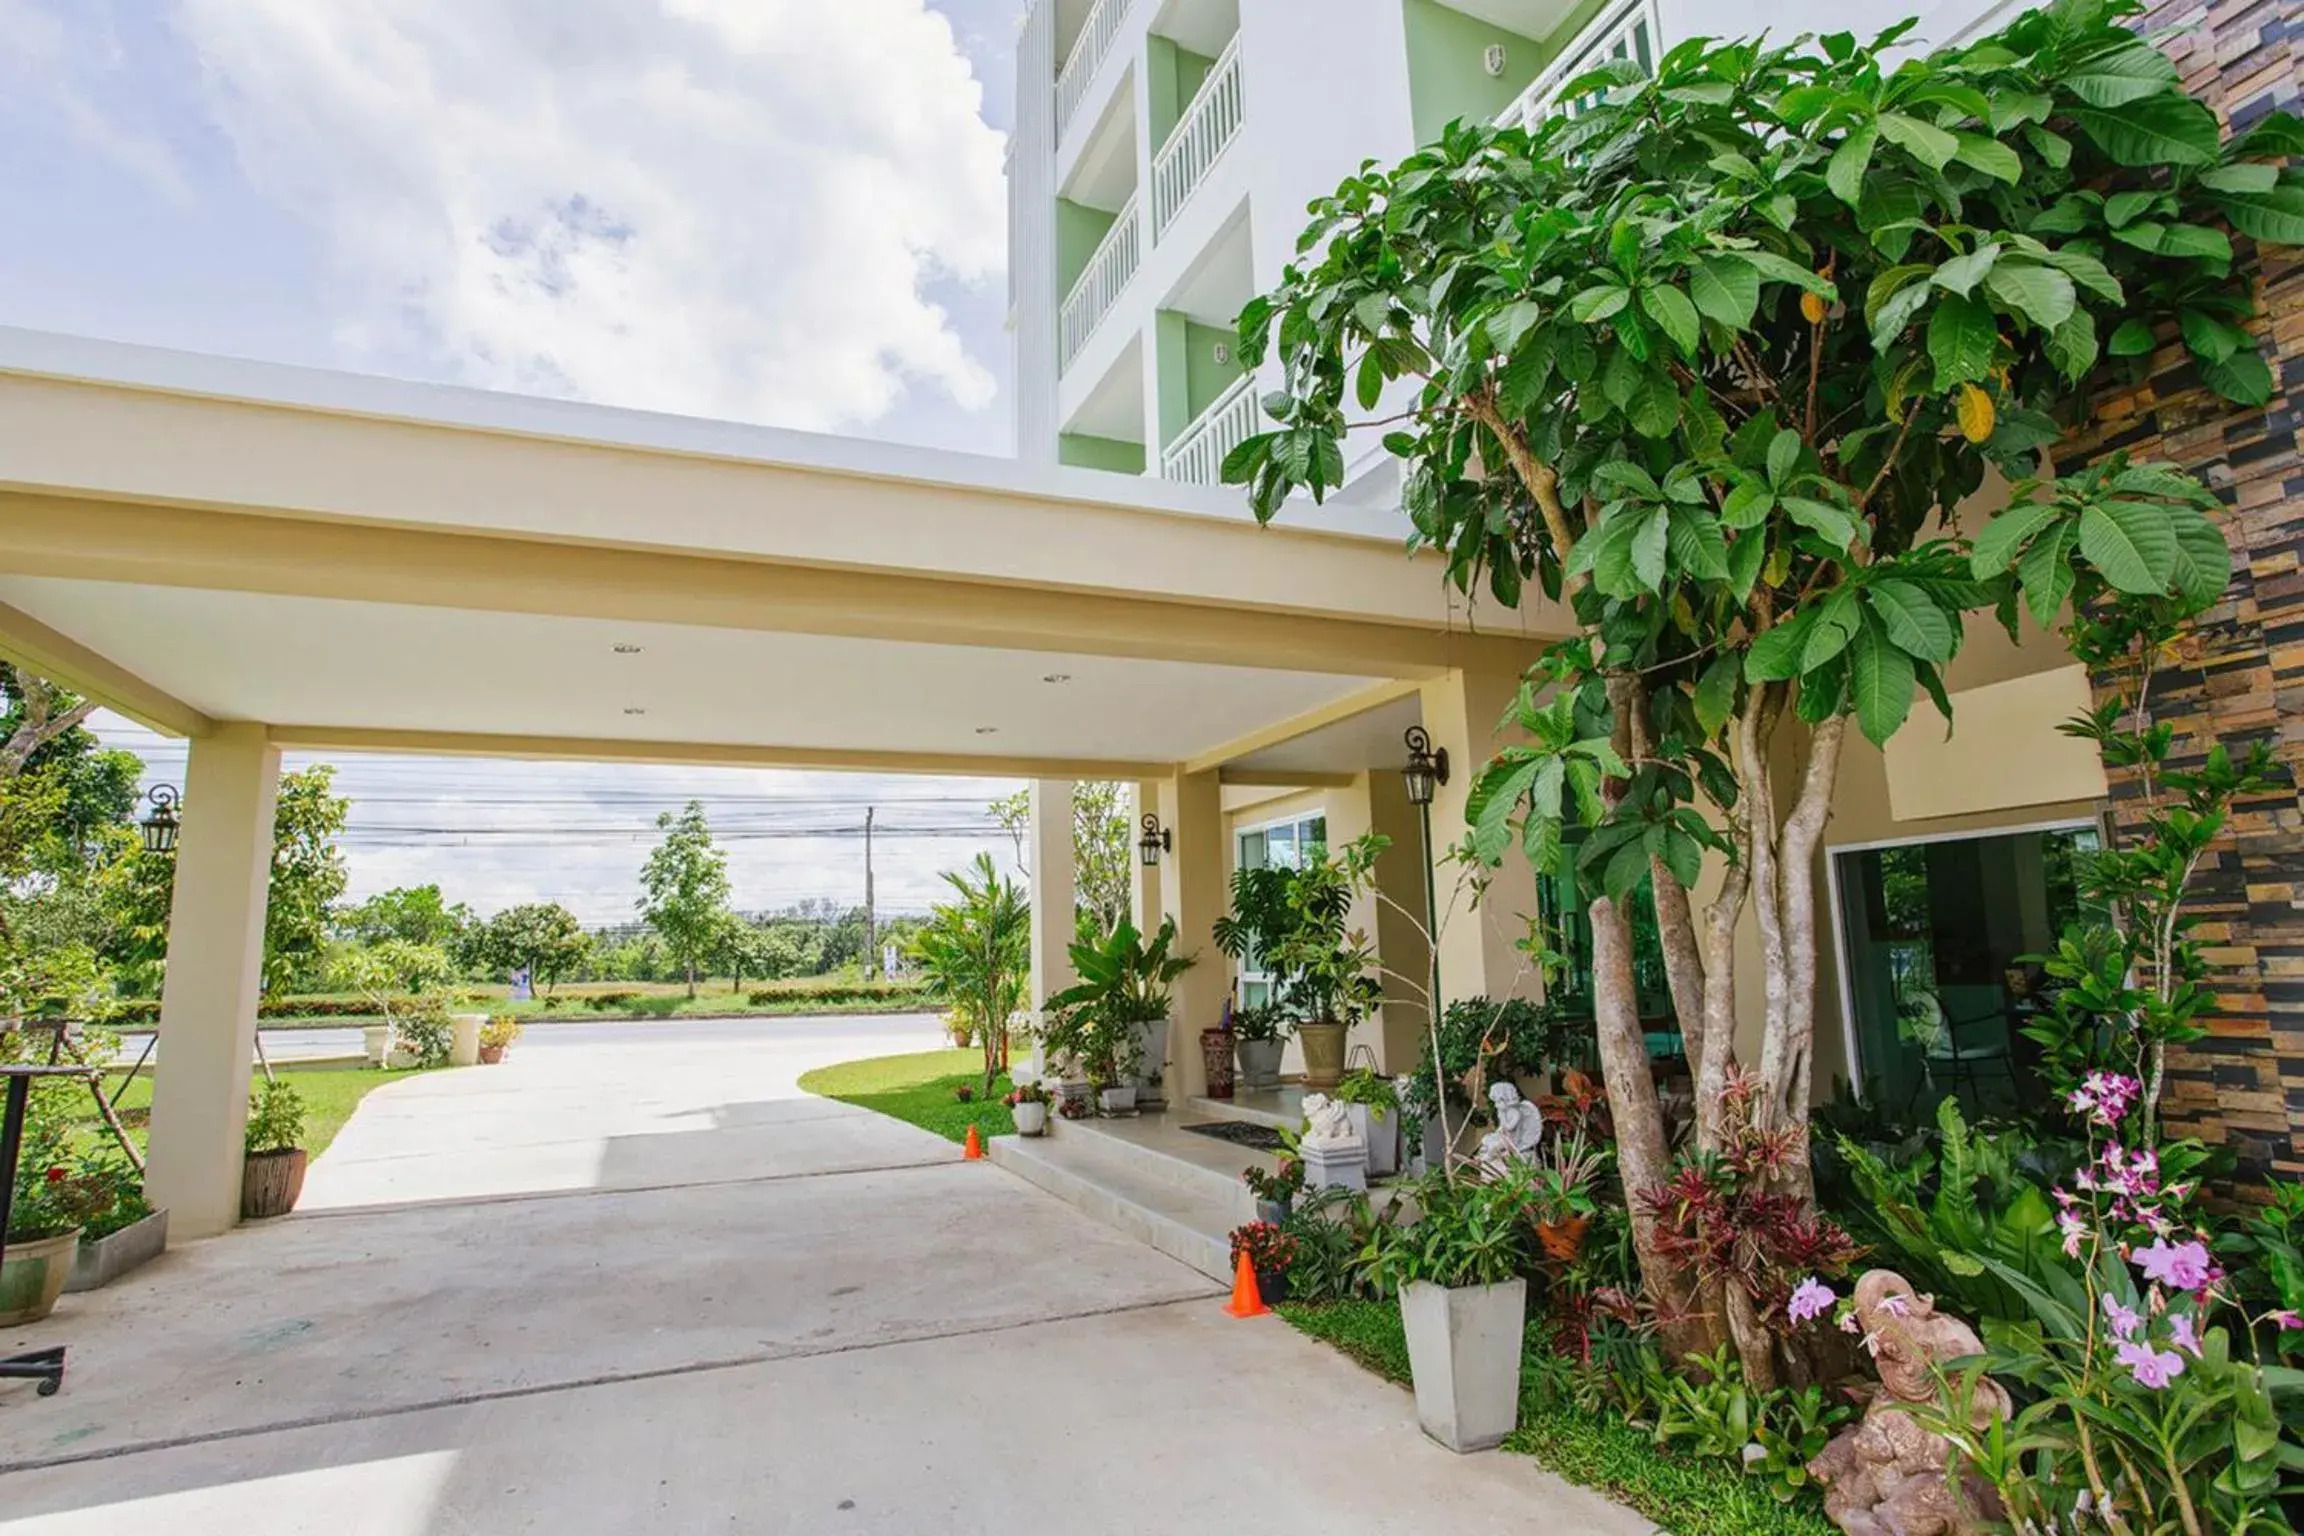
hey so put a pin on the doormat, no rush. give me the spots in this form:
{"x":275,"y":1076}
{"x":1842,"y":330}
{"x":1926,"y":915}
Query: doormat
{"x":1240,"y":1133}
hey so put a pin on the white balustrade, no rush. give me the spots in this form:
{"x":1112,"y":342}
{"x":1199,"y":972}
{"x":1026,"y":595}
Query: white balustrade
{"x":1627,"y":31}
{"x":1197,"y":456}
{"x":1101,"y":283}
{"x":1089,"y":49}
{"x":1208,"y":124}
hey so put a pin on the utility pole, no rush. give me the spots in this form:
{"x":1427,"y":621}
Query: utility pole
{"x":871,"y":932}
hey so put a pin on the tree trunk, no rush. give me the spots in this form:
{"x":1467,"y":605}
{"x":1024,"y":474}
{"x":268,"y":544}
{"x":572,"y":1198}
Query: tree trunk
{"x":1787,"y":1051}
{"x":1643,"y":1153}
{"x":691,"y":968}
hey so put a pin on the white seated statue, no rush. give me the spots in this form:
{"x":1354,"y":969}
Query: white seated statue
{"x":1519,"y":1129}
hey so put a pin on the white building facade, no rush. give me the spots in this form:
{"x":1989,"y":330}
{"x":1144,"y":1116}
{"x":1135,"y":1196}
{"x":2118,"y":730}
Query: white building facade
{"x":1166,"y":151}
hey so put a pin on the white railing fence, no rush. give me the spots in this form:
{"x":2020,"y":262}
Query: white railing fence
{"x":1089,"y":49}
{"x":1101,"y":282}
{"x":1626,"y":31}
{"x":1209,"y":124}
{"x":1197,"y":456}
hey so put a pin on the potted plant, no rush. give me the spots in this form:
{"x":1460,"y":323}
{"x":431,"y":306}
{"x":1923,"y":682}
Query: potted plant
{"x":1271,"y":1252}
{"x":272,"y":1175}
{"x":1464,"y":1304}
{"x":1115,"y":1053}
{"x":1297,"y":924}
{"x":1125,"y":992}
{"x":51,"y":1202}
{"x":1374,"y":1106}
{"x":1561,"y":1203}
{"x":1276,"y":1189}
{"x":121,"y":1232}
{"x":1259,"y":1036}
{"x":423,"y":1036}
{"x":1029,"y":1105}
{"x":496,"y":1038}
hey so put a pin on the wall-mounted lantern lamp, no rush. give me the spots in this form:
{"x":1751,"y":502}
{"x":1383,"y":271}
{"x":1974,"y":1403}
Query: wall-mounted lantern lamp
{"x":161,"y":825}
{"x":1155,"y":841}
{"x":1426,"y":769}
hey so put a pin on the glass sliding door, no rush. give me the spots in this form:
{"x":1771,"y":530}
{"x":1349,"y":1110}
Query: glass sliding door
{"x":1931,"y":935}
{"x":1285,"y":844}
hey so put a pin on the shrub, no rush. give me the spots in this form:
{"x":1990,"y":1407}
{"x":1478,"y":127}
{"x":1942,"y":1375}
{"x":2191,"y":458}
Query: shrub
{"x":427,"y":1032}
{"x":499,"y":1032}
{"x":603,"y":1002}
{"x":276,"y":1122}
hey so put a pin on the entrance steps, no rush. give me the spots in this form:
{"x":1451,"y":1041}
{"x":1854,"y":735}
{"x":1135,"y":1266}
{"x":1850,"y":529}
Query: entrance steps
{"x":1147,"y":1177}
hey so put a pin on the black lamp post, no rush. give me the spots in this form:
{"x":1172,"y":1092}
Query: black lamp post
{"x":160,"y":827}
{"x":1423,"y":774}
{"x":1155,"y":841}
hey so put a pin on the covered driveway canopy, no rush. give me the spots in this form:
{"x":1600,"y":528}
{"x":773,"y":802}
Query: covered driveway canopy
{"x":264,"y":558}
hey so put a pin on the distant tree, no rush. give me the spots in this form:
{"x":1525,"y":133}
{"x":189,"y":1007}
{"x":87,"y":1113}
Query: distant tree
{"x":786,"y":949}
{"x":977,"y":950}
{"x":1103,"y":851}
{"x":685,"y":886}
{"x":417,"y":914}
{"x":542,"y":938}
{"x":307,"y":876}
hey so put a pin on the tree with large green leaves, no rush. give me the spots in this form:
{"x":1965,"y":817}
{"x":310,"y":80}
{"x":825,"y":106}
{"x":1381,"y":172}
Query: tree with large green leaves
{"x":976,"y":950}
{"x":1712,"y":364}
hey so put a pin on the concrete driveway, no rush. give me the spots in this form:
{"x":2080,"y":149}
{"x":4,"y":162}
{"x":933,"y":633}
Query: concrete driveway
{"x":634,"y":1281}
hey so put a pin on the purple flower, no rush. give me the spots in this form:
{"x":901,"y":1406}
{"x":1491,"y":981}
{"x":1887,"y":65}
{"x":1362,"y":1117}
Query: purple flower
{"x":2074,"y":1229}
{"x":1895,"y":1305}
{"x":2184,"y":1267}
{"x":2151,"y":1367}
{"x":2181,"y":1335}
{"x":2287,"y":1319}
{"x":1812,"y":1298}
{"x":2125,"y":1320}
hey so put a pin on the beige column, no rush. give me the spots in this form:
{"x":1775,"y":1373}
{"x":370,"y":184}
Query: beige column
{"x":1399,"y":930}
{"x":1191,"y":807}
{"x":215,"y":969}
{"x":1480,"y":954}
{"x":1053,"y":884}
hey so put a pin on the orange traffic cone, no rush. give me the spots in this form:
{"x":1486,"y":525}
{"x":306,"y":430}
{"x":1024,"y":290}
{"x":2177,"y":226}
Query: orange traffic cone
{"x":1246,"y":1300}
{"x":975,"y":1147}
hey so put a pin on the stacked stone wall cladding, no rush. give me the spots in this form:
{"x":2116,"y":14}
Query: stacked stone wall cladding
{"x":2241,"y":676}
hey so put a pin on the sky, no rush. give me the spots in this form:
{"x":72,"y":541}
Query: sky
{"x":779,"y":211}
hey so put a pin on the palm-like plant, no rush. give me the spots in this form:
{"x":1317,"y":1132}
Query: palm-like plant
{"x":977,"y":951}
{"x":1126,"y":981}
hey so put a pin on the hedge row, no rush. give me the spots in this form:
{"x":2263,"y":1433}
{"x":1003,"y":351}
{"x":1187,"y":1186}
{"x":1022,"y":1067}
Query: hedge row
{"x":136,"y":1012}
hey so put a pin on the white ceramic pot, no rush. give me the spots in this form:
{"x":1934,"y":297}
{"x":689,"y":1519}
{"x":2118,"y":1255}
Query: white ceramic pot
{"x":1118,"y":1101}
{"x":376,"y":1040}
{"x":1031,"y":1119}
{"x":1152,"y":1065}
{"x":464,"y":1038}
{"x":1464,"y":1346}
{"x":1380,"y":1129}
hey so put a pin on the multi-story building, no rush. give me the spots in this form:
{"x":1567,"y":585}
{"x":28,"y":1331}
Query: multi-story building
{"x":1166,"y":150}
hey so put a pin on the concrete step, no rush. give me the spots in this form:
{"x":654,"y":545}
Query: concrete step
{"x":1281,"y":1108}
{"x":1156,"y":1147}
{"x":1134,"y":1196}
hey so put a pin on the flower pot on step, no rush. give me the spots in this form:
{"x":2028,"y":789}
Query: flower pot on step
{"x":271,"y":1183}
{"x":1152,"y":1069}
{"x":32,"y":1276}
{"x":1031,"y":1119}
{"x":1216,"y":1061}
{"x":1323,"y":1054}
{"x":1464,"y":1345}
{"x":1259,"y":1065}
{"x":102,"y":1260}
{"x":1118,"y":1101}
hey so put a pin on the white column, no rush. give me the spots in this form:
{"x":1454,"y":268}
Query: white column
{"x":1480,"y":954}
{"x":215,"y":968}
{"x":1144,"y":884}
{"x":1053,"y":885}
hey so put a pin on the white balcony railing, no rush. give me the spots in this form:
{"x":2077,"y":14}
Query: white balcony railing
{"x":1626,"y":31}
{"x":1207,"y":126}
{"x":1101,"y":282}
{"x":1197,"y":456}
{"x":1088,"y":53}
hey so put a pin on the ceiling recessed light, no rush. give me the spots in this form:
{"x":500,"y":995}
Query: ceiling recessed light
{"x":1057,"y":677}
{"x":635,"y":710}
{"x":987,"y":730}
{"x":628,"y":650}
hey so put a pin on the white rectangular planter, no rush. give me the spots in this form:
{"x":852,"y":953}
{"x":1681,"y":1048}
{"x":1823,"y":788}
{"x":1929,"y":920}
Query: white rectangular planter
{"x":1380,"y":1129}
{"x":1336,"y":1167}
{"x":105,"y":1260}
{"x":1464,"y":1351}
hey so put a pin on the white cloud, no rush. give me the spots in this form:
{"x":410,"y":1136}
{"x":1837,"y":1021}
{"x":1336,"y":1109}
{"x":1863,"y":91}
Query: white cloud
{"x":718,"y":207}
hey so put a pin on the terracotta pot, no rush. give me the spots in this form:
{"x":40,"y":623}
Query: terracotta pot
{"x":33,"y":1275}
{"x":1216,"y":1056}
{"x":491,"y":1054}
{"x":271,"y":1182}
{"x":1323,"y":1054}
{"x":1563,"y":1240}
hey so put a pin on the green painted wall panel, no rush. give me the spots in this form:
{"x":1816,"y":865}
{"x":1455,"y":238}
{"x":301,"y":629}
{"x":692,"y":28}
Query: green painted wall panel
{"x":1084,"y":452}
{"x":1172,"y":77}
{"x":1204,"y":377}
{"x":1079,"y":230}
{"x":1447,"y":62}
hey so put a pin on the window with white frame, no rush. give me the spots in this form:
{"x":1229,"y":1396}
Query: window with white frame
{"x":1281,"y":844}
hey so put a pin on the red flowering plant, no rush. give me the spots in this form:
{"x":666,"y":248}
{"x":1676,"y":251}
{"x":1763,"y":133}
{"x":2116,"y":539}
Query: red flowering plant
{"x":1727,"y":1216}
{"x":1271,"y":1251}
{"x":1028,"y":1093}
{"x":55,"y":1193}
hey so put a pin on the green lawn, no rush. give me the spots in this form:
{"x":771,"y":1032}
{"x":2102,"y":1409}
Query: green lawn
{"x":918,"y":1089}
{"x":329,"y":1099}
{"x":1687,"y":1497}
